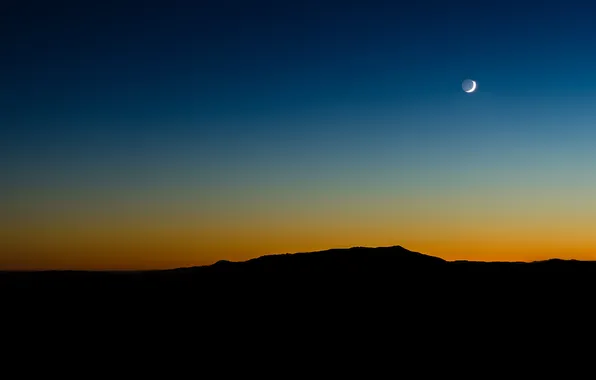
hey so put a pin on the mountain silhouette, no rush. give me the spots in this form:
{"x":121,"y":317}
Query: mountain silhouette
{"x":336,"y":261}
{"x":357,"y":266}
{"x":356,"y":293}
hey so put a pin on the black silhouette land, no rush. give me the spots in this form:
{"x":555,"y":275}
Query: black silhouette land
{"x":353,"y":302}
{"x":386,"y":268}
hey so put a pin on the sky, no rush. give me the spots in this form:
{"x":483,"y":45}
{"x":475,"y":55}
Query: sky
{"x":161,"y":134}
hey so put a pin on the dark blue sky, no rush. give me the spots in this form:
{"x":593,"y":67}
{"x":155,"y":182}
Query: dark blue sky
{"x":205,"y":61}
{"x":202,"y":96}
{"x":78,"y":73}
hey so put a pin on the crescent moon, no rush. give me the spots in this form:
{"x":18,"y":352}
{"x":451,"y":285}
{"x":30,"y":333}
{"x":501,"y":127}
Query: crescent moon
{"x":473,"y":87}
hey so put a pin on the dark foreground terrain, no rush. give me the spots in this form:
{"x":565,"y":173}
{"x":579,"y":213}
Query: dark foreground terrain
{"x":393,"y":274}
{"x":352,"y":265}
{"x":334,"y":308}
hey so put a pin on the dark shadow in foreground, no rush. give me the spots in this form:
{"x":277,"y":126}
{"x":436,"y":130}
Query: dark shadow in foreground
{"x":385,"y":269}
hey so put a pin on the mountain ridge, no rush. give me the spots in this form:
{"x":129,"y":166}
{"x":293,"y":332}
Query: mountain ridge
{"x":365,"y":253}
{"x":395,"y":249}
{"x":357,"y":274}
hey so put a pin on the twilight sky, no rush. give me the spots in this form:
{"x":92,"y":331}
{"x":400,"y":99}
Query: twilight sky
{"x":159,"y":134}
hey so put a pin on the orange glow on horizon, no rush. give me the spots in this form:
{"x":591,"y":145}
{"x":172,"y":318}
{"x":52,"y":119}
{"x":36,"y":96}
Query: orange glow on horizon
{"x":518,"y":224}
{"x":148,"y":252}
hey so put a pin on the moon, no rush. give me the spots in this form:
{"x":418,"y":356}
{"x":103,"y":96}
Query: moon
{"x":469,"y":86}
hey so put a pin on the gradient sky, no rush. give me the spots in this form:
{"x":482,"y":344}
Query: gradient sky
{"x":164,"y":134}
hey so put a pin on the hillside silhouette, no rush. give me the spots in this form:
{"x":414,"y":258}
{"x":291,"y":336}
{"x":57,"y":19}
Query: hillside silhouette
{"x":356,"y":267}
{"x":356,"y":294}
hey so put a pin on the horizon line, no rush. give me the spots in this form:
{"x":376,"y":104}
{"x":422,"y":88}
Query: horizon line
{"x":280,"y":254}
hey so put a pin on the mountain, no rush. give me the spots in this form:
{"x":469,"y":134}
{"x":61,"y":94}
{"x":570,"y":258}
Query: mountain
{"x":357,"y":268}
{"x":356,"y":292}
{"x":333,"y":261}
